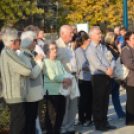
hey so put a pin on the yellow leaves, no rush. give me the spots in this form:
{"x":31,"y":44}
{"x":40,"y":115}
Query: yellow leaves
{"x":94,"y":11}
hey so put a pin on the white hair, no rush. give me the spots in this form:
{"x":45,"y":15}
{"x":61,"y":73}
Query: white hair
{"x":91,"y":31}
{"x":9,"y":36}
{"x":63,"y":29}
{"x":6,"y":29}
{"x":116,"y":28}
{"x":27,"y":39}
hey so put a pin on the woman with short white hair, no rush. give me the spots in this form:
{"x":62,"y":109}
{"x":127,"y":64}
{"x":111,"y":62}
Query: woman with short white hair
{"x":34,"y":83}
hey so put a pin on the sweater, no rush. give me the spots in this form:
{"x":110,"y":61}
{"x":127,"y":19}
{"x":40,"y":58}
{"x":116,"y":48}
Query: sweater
{"x":53,"y":76}
{"x":127,"y":58}
{"x":13,"y":74}
{"x":34,"y":83}
{"x":81,"y":63}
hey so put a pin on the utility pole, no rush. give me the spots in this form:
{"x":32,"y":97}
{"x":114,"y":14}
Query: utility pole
{"x":125,"y":13}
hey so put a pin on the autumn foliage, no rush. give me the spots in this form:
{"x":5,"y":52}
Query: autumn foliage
{"x":96,"y":11}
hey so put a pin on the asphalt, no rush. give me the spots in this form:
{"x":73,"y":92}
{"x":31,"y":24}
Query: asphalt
{"x":120,"y":124}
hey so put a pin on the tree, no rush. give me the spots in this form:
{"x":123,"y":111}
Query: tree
{"x":94,"y":11}
{"x":130,"y":4}
{"x":13,"y":10}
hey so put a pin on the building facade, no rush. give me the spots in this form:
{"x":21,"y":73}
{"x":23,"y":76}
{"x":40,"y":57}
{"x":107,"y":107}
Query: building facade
{"x":48,"y":21}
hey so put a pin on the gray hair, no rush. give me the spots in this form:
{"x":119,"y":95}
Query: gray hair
{"x":91,"y":31}
{"x":6,"y":29}
{"x":27,"y":39}
{"x":9,"y":36}
{"x":116,"y":28}
{"x":72,"y":25}
{"x":47,"y":44}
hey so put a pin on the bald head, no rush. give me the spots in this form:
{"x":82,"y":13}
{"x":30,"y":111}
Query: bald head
{"x":66,"y":33}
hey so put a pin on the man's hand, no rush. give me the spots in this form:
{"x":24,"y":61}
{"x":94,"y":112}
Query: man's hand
{"x":65,"y":86}
{"x":39,"y":57}
{"x":67,"y":80}
{"x":109,"y":71}
{"x":111,"y":76}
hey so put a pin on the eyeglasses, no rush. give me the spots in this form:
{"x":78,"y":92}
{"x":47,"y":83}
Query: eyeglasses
{"x":53,"y":49}
{"x":17,"y":40}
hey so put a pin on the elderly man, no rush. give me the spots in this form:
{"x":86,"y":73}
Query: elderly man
{"x":13,"y":74}
{"x":66,"y":55}
{"x":101,"y":70}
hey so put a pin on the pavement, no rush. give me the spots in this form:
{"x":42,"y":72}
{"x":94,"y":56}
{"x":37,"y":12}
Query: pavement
{"x":120,"y":124}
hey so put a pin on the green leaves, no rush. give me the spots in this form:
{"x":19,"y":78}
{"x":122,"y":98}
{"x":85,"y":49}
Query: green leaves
{"x":13,"y":10}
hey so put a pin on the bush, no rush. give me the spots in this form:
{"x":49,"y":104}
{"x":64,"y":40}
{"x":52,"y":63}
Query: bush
{"x":4,"y":119}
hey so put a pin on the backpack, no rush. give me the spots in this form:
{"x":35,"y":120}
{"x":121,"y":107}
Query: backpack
{"x":120,"y":71}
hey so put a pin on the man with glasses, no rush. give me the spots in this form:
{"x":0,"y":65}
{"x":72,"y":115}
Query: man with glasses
{"x":101,"y":71}
{"x":13,"y":74}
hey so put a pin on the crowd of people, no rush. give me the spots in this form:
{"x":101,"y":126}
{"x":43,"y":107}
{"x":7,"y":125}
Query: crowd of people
{"x":74,"y":71}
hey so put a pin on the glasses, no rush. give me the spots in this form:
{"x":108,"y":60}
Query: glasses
{"x":53,"y":49}
{"x":17,"y":40}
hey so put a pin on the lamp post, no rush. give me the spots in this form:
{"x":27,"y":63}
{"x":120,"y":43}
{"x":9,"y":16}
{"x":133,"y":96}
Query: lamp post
{"x":125,"y":13}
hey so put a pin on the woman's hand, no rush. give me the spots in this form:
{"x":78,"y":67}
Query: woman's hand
{"x":67,"y":80}
{"x":119,"y":47}
{"x":39,"y":57}
{"x":65,"y":86}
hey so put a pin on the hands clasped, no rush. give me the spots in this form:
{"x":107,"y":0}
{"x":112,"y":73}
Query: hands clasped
{"x":110,"y":72}
{"x":66,"y":83}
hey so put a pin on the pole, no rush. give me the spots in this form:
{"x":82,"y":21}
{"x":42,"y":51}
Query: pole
{"x":125,"y":13}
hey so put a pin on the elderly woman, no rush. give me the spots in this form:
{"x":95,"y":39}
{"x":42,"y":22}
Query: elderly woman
{"x":127,"y":58}
{"x":111,"y":41}
{"x":34,"y":83}
{"x":13,"y":74}
{"x":53,"y":78}
{"x":38,"y":48}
